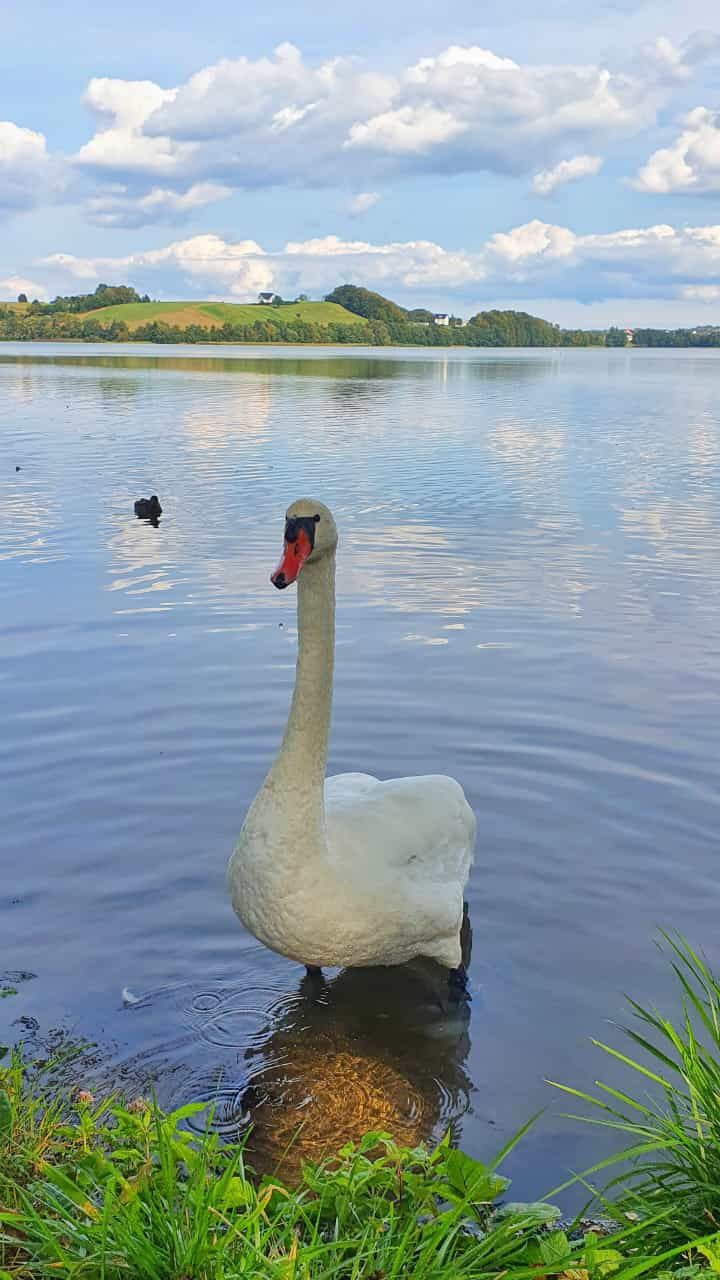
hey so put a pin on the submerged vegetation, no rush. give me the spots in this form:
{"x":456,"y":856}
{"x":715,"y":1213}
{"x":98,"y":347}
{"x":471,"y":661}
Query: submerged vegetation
{"x":99,"y":1189}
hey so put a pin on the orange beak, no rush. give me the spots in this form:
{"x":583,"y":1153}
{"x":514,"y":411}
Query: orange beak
{"x":293,"y":558}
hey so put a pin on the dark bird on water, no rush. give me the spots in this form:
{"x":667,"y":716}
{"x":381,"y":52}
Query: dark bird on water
{"x":148,"y":508}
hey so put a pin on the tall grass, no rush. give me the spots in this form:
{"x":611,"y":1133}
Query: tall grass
{"x":669,"y":1175}
{"x":103,"y":1191}
{"x":107,"y":1192}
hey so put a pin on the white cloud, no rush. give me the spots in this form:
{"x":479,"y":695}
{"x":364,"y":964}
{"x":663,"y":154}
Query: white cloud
{"x":238,"y":270}
{"x":709,"y":293}
{"x":118,"y":207}
{"x":157,"y":152}
{"x":121,"y":146}
{"x":362,"y":202}
{"x":249,"y":123}
{"x":583,"y":166}
{"x":25,"y":166}
{"x":534,"y":241}
{"x":407,"y":129}
{"x":677,"y":62}
{"x":536,"y":259}
{"x":691,"y":163}
{"x":11,"y":286}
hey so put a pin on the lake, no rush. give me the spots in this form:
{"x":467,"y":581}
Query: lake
{"x":528,"y":599}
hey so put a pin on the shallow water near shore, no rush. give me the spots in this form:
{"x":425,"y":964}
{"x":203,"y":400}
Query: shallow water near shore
{"x":528,"y":599}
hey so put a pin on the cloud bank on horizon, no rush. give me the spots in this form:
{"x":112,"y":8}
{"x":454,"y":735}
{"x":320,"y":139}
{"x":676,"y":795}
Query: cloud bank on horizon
{"x":475,"y":144}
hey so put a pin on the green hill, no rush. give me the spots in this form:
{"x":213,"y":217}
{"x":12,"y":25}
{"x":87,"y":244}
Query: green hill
{"x":210,"y":315}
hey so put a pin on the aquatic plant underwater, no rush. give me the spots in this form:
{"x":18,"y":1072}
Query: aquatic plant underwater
{"x":98,"y":1188}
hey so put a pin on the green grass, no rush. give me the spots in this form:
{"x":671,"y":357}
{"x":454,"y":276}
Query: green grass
{"x":100,"y":1191}
{"x":669,"y":1174}
{"x":212,"y":314}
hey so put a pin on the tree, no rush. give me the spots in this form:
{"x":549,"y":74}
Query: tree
{"x":512,"y":329}
{"x":278,"y":301}
{"x":615,"y":337}
{"x":363,"y":302}
{"x":302,"y":297}
{"x":22,"y":297}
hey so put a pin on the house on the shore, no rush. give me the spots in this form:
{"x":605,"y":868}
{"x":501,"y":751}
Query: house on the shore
{"x":629,"y":334}
{"x":441,"y":318}
{"x":267,"y":299}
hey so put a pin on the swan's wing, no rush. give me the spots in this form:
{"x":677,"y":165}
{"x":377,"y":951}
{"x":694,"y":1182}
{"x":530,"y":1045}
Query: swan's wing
{"x":423,"y":827}
{"x":346,"y":788}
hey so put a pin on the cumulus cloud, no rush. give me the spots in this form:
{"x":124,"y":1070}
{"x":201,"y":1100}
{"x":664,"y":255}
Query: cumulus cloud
{"x":249,"y":123}
{"x":362,"y":202}
{"x":26,"y":168}
{"x":406,"y":130}
{"x":674,"y":62}
{"x":121,"y":145}
{"x":11,"y":286}
{"x":157,"y":152}
{"x":239,"y":270}
{"x":118,"y":207}
{"x":657,"y":261}
{"x":583,"y":166}
{"x":691,"y":163}
{"x":536,"y":259}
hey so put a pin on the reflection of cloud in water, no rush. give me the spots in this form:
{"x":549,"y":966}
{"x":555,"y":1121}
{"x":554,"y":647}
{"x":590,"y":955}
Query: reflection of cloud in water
{"x":21,"y":389}
{"x":422,"y":569}
{"x":674,"y":537}
{"x":141,"y":562}
{"x":28,"y":519}
{"x":704,"y":443}
{"x":515,"y":443}
{"x":237,"y":419}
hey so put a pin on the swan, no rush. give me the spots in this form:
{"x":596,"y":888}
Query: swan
{"x":345,"y":871}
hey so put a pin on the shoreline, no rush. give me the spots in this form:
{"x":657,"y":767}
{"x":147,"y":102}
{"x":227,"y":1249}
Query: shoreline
{"x":165,"y":347}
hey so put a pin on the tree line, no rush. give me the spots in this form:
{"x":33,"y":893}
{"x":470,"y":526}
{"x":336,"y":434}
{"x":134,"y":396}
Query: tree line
{"x":385,"y":323}
{"x":29,"y":327}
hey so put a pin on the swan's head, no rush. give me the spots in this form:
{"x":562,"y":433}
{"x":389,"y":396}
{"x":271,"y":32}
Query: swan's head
{"x":310,"y":534}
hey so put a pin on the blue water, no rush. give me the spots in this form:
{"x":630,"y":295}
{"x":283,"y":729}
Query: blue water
{"x":528,"y":599}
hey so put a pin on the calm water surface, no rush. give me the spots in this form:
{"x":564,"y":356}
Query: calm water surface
{"x":528,"y":599}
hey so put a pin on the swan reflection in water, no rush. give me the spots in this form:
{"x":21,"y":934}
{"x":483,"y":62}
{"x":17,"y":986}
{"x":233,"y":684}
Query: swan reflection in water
{"x":302,"y":1073}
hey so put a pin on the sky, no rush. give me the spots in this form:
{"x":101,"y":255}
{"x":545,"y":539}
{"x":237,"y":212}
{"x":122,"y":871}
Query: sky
{"x":560,"y":158}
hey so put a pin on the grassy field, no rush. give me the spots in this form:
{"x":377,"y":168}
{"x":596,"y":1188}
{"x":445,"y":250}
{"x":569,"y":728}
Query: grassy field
{"x":210,"y":315}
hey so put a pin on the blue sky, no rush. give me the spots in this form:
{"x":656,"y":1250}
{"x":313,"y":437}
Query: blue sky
{"x":567,"y":163}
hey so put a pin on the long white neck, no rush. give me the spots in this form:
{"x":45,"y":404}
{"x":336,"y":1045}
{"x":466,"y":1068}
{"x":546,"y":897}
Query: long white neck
{"x":301,"y":761}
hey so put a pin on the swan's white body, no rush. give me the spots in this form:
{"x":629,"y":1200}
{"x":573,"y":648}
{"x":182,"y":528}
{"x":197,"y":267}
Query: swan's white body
{"x":347,"y":871}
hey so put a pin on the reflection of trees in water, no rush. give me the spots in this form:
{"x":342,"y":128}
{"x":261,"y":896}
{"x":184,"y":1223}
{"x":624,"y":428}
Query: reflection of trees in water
{"x":111,"y":389}
{"x":381,"y":365}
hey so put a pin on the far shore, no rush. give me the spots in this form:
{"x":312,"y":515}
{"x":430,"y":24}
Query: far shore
{"x":166,"y":347}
